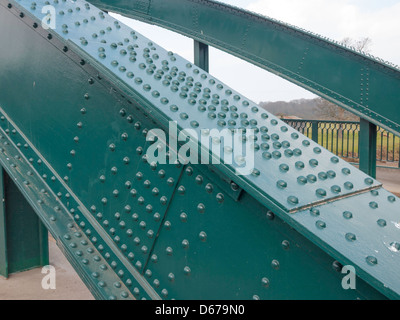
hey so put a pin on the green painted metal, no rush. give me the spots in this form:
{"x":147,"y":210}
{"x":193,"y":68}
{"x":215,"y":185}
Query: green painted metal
{"x":201,"y":55}
{"x":3,"y":231}
{"x":82,"y":252}
{"x":367,"y":147}
{"x":356,"y":81}
{"x":24,"y":242}
{"x":27,"y":238}
{"x":74,"y":135}
{"x":377,"y":209}
{"x":314,"y":131}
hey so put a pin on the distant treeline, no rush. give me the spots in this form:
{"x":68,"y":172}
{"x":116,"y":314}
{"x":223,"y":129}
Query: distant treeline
{"x":312,"y":109}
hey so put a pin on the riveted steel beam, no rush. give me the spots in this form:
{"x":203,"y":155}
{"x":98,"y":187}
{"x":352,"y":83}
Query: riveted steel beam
{"x":367,"y":147}
{"x":24,"y":237}
{"x":369,"y":234}
{"x":167,"y":230}
{"x":77,"y":247}
{"x":356,"y":81}
{"x":201,"y":55}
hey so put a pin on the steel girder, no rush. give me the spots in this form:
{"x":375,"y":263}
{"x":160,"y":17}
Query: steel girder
{"x":356,"y":81}
{"x":77,"y":104}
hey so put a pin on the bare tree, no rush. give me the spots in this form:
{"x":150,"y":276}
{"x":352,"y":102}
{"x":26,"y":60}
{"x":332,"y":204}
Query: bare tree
{"x":330,"y":111}
{"x":362,"y":44}
{"x":327,"y":110}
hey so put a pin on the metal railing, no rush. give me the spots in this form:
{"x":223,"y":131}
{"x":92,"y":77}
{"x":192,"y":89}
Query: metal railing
{"x":342,"y":139}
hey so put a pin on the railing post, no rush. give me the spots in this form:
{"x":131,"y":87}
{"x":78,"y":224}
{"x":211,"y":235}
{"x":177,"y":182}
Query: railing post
{"x":201,"y":55}
{"x":367,"y":147}
{"x":314,"y":131}
{"x":23,"y":237}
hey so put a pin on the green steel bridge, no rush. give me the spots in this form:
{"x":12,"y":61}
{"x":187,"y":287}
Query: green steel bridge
{"x":81,"y":97}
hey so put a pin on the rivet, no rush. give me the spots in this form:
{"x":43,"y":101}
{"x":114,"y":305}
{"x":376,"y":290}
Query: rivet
{"x":281,"y":184}
{"x":171,"y":277}
{"x":382,"y":223}
{"x":203,"y":236}
{"x":293,"y":200}
{"x":306,"y":143}
{"x":320,"y":224}
{"x":313,"y":163}
{"x":275,"y":264}
{"x":373,"y":205}
{"x":156,"y":217}
{"x":167,"y":225}
{"x":347,"y":215}
{"x":169,"y":251}
{"x":351,"y":237}
{"x":142,"y":224}
{"x":335,"y":160}
{"x":314,"y":212}
{"x":181,"y":190}
{"x":372,"y":261}
{"x":336,"y":189}
{"x":285,"y":245}
{"x":234,"y":186}
{"x":265,"y":282}
{"x":302,"y":180}
{"x":183,"y":217}
{"x":187,"y":271}
{"x":283,"y":167}
{"x":369,"y":181}
{"x":336,"y":265}
{"x":331,"y":174}
{"x":199,"y":179}
{"x":294,"y":136}
{"x":201,"y":208}
{"x":163,"y":200}
{"x":185,"y":244}
{"x":164,"y":292}
{"x":220,"y":197}
{"x":348,"y":185}
{"x":346,"y":171}
{"x":394,"y":247}
{"x":312,"y":178}
{"x":170,"y":181}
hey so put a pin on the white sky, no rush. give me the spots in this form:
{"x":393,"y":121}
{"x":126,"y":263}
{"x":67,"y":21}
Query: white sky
{"x":336,"y":19}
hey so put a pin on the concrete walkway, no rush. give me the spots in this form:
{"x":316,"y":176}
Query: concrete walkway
{"x":27,"y":285}
{"x":390,"y":177}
